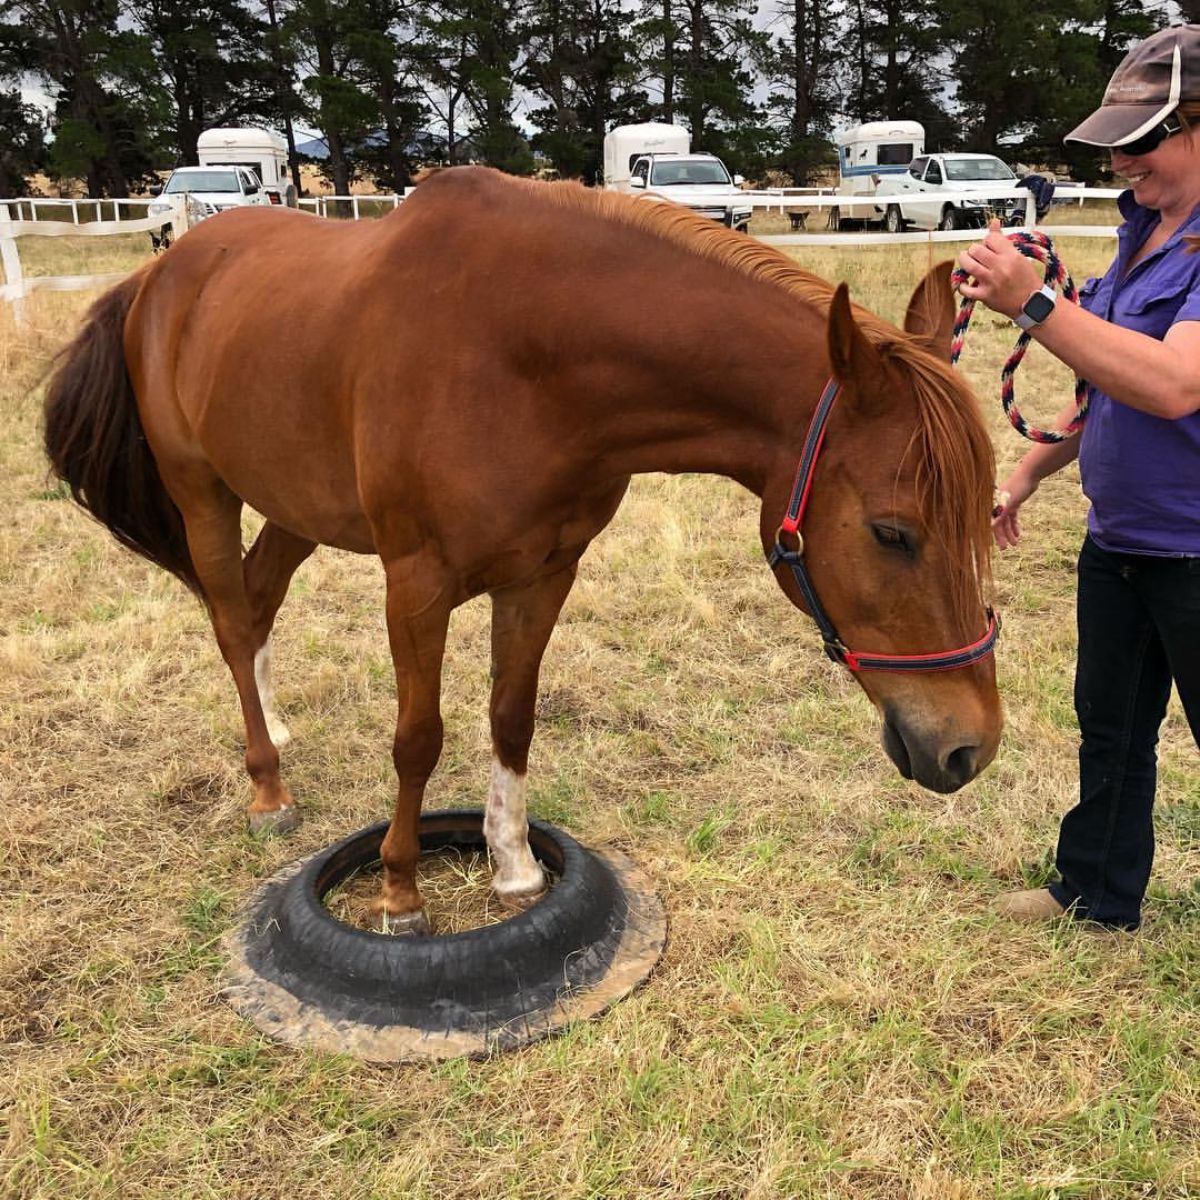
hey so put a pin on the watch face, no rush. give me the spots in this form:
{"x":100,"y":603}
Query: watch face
{"x":1038,"y":307}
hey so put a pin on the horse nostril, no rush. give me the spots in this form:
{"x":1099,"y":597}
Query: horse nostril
{"x":962,"y":764}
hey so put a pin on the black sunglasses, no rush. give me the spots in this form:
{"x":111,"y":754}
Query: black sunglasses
{"x":1151,"y":141}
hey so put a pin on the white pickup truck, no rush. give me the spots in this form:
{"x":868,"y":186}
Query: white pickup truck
{"x":700,"y":182}
{"x":209,"y":190}
{"x":657,"y":161}
{"x":945,"y":173}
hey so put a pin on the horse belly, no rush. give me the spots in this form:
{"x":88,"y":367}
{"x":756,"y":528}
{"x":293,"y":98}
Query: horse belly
{"x":295,"y":472}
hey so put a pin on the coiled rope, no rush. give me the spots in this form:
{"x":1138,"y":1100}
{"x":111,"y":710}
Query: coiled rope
{"x":1036,"y":245}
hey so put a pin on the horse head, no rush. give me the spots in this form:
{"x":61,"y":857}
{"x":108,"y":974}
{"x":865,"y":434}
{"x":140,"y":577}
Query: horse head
{"x":886,"y":540}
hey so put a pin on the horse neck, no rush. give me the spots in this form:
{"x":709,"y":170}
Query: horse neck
{"x":711,"y":387}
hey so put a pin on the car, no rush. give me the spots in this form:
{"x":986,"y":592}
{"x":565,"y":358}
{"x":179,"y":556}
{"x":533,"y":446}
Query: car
{"x":946,"y":173}
{"x":209,"y":190}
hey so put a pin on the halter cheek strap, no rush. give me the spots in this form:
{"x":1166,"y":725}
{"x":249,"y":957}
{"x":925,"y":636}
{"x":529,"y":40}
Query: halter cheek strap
{"x":837,"y":650}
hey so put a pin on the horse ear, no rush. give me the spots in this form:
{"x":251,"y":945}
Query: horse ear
{"x":849,"y":350}
{"x":931,"y":311}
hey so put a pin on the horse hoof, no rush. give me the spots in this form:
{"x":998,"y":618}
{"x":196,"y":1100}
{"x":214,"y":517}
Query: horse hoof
{"x":518,"y":902}
{"x":409,"y":924}
{"x":276,"y":821}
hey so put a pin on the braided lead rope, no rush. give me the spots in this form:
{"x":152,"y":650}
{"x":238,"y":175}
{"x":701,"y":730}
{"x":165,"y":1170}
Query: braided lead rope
{"x":1036,"y":245}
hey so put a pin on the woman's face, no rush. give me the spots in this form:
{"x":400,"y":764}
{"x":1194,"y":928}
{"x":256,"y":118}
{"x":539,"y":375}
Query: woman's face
{"x":1166,"y":179}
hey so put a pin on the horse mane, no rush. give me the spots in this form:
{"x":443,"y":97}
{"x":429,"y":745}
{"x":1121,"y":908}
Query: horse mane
{"x":956,"y":469}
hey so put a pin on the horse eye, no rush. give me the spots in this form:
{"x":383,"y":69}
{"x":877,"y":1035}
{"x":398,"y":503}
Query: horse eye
{"x":893,"y":538}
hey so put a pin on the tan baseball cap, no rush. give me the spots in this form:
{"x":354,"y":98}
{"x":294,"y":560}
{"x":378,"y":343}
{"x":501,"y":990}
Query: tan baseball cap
{"x":1151,"y":82}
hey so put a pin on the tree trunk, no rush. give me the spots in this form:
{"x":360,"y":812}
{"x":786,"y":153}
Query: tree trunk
{"x":281,"y":88}
{"x":863,"y":66}
{"x":894,"y":16}
{"x":696,"y":101}
{"x":397,"y":161}
{"x":339,"y":168}
{"x":801,"y":107}
{"x":668,"y":104}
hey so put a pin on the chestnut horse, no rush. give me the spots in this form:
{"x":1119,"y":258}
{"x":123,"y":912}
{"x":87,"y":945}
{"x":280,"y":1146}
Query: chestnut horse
{"x":465,"y":388}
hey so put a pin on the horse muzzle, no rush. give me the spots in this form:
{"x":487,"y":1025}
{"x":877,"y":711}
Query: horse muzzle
{"x":941,"y":764}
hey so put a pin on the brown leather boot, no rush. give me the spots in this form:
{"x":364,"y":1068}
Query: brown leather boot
{"x":1034,"y":905}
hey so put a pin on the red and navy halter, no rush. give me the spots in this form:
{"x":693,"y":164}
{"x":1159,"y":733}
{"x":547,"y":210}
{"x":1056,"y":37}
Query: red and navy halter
{"x":837,"y":650}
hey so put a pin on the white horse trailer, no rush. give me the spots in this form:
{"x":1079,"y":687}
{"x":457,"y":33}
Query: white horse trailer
{"x":624,"y":145}
{"x":866,"y":154}
{"x":261,"y":150}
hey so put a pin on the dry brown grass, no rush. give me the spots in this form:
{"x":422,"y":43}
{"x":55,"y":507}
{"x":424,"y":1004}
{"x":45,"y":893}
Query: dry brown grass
{"x":455,"y":885}
{"x":837,"y":1013}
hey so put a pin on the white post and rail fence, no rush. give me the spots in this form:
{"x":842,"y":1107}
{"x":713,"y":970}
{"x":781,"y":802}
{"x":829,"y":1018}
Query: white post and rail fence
{"x":17,"y":285}
{"x":24,"y":218}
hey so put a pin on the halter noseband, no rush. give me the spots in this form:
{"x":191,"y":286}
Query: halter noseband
{"x":834,"y":646}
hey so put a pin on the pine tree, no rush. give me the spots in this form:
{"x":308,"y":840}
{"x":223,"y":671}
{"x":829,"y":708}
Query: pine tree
{"x":320,"y":34}
{"x":102,"y":120}
{"x":580,"y":62}
{"x":894,"y":67}
{"x":705,"y":57}
{"x":22,"y":143}
{"x":472,"y":57}
{"x":802,"y":90}
{"x":381,"y":43}
{"x":210,"y":64}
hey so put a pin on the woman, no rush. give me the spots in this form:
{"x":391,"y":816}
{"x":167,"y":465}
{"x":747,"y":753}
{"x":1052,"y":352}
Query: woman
{"x":1136,"y":339}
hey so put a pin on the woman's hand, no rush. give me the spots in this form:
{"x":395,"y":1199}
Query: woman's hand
{"x":1011,"y":494}
{"x":1002,"y":277}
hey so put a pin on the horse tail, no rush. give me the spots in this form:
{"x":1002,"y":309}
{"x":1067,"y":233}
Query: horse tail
{"x":95,"y":442}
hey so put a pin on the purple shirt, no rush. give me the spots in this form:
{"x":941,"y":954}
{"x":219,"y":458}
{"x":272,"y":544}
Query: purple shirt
{"x":1142,"y":473}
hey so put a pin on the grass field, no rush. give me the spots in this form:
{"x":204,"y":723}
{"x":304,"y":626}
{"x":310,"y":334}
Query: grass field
{"x":837,"y":1013}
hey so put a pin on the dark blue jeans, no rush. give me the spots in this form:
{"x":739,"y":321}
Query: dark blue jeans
{"x":1139,"y":628}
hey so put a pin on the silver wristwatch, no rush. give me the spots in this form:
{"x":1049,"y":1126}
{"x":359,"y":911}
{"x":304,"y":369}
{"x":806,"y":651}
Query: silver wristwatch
{"x":1036,"y":309}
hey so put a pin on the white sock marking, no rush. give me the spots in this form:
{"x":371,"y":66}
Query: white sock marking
{"x":515,"y":872}
{"x":280,"y":735}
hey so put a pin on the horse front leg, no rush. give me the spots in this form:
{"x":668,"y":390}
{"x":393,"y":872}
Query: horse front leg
{"x":266,"y":572}
{"x":212,"y":518}
{"x":522,"y":620}
{"x":417,"y":636}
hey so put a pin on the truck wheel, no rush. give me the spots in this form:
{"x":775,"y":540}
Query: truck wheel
{"x":893,"y":222}
{"x":949,"y":219}
{"x":835,"y":218}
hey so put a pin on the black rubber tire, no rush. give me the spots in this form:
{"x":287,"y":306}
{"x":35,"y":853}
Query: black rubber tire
{"x":472,"y":981}
{"x":893,"y":222}
{"x":835,"y":218}
{"x":949,"y":219}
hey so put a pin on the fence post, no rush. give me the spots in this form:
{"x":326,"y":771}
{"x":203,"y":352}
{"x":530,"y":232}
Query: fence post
{"x":11,"y":260}
{"x":179,"y":216}
{"x":1030,"y":211}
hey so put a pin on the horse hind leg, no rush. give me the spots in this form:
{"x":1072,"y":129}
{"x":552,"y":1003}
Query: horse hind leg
{"x":266,"y":572}
{"x":212,"y":518}
{"x":522,"y":620}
